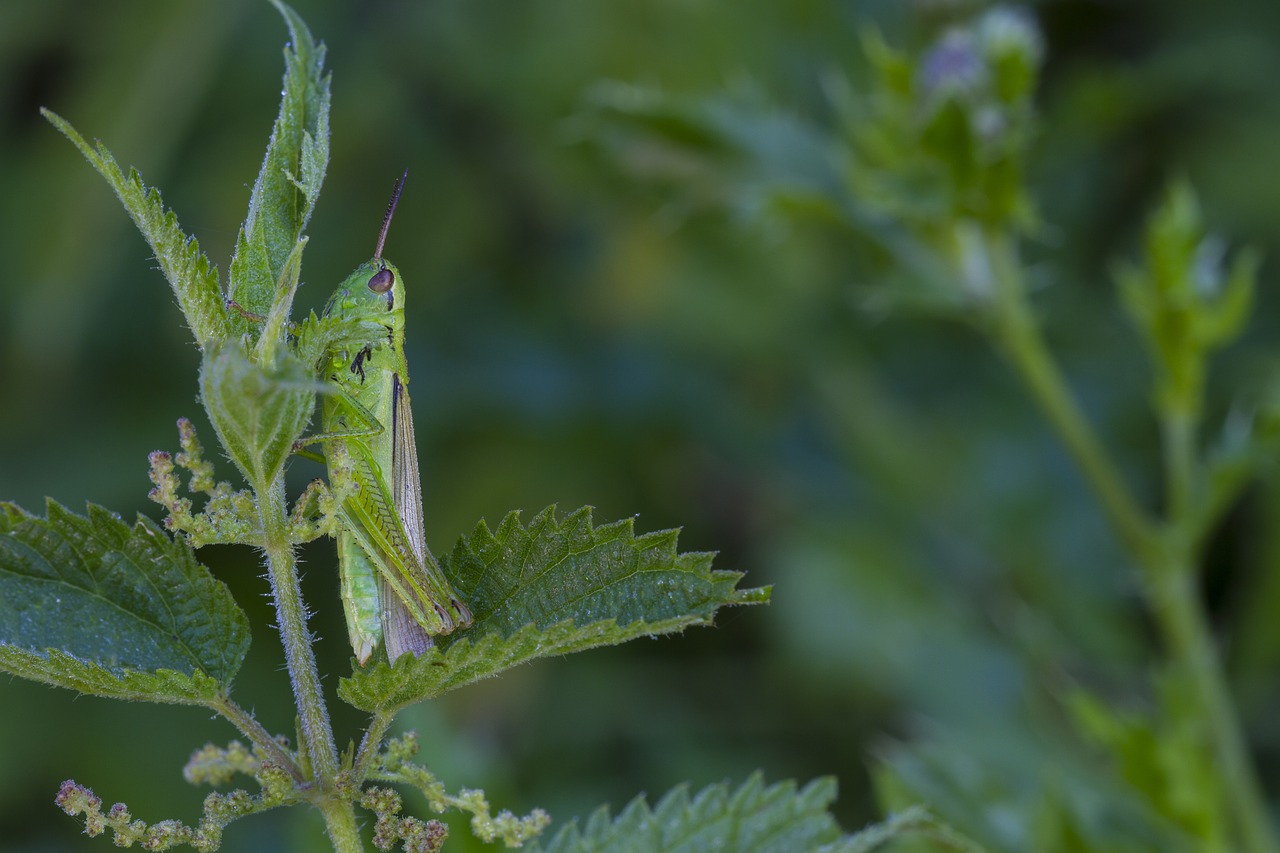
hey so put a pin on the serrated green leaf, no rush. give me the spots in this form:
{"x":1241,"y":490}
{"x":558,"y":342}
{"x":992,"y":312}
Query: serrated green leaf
{"x":193,"y":278}
{"x":548,"y":588}
{"x":752,"y":819}
{"x":288,"y":184}
{"x":63,"y":670}
{"x":557,"y":569}
{"x":95,"y":605}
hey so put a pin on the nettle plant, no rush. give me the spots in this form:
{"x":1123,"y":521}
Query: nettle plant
{"x":126,"y":611}
{"x":921,"y":174}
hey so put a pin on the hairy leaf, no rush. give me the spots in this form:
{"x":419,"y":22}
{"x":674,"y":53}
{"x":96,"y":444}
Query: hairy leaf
{"x":104,"y":608}
{"x":193,"y":278}
{"x":752,"y":818}
{"x":552,"y":587}
{"x":64,"y":670}
{"x":258,"y":412}
{"x":289,"y":182}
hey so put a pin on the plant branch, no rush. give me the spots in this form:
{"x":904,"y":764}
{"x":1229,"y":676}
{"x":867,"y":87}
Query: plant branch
{"x":369,"y":744}
{"x":1186,"y":630}
{"x":1019,"y":337}
{"x":1164,"y":551}
{"x":258,"y":735}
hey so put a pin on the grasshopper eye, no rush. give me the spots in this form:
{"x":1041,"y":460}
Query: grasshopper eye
{"x":381,"y":281}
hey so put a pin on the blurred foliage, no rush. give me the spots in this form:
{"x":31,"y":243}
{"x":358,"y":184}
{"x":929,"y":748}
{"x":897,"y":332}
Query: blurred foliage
{"x":945,"y":585}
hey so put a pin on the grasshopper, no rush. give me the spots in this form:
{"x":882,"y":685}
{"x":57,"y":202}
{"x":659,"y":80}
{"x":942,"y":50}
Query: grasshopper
{"x":393,"y":590}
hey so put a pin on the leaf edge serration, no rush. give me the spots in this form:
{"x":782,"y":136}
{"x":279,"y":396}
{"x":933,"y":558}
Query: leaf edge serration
{"x":471,"y":656}
{"x":57,"y":668}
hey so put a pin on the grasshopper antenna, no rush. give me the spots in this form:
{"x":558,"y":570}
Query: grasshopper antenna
{"x":391,"y":209}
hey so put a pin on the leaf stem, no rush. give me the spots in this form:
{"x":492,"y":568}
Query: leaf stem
{"x":369,"y":744}
{"x":1165,"y":551}
{"x":255,"y":732}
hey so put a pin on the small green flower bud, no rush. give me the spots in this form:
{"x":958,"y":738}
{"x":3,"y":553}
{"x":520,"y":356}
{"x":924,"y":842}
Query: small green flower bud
{"x":1013,"y":48}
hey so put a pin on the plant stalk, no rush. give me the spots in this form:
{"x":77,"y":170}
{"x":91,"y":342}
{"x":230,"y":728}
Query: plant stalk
{"x":1186,"y":632}
{"x":1019,"y":337}
{"x":291,"y":619}
{"x":1164,"y":551}
{"x":1178,"y":431}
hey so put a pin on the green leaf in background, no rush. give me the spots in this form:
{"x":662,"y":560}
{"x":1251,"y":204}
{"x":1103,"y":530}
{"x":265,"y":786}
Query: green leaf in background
{"x":193,"y":278}
{"x":1018,"y":789}
{"x":292,"y":172}
{"x":549,"y":588}
{"x":774,"y":169}
{"x":104,"y":608}
{"x":737,"y":150}
{"x":1163,"y":757}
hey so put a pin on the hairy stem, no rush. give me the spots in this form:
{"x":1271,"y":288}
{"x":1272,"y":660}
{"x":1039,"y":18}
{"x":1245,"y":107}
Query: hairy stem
{"x":291,"y":619}
{"x":369,"y":744}
{"x":1164,"y":552}
{"x":259,"y":736}
{"x":340,"y":823}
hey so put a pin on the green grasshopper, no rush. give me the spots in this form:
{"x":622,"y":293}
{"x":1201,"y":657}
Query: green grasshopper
{"x":392,"y":587}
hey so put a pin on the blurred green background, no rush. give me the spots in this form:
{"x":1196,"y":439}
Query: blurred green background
{"x":578,"y":337}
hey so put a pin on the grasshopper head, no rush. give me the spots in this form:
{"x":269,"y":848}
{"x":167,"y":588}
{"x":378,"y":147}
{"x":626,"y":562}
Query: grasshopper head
{"x":372,"y":290}
{"x":375,"y":288}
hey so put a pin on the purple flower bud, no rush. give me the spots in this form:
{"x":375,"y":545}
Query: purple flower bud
{"x":952,"y":65}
